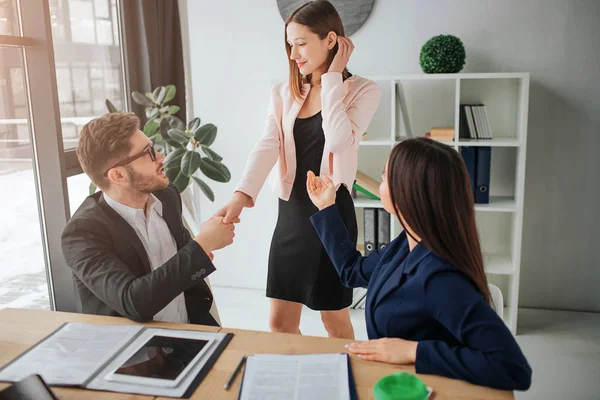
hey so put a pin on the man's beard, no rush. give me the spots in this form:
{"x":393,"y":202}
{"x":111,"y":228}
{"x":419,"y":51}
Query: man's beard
{"x":145,"y":184}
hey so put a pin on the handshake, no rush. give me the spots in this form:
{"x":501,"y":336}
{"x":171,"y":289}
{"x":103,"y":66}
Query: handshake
{"x":219,"y":231}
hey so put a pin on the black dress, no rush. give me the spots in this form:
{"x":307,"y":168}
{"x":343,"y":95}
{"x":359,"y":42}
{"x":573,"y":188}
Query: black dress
{"x":299,"y":268}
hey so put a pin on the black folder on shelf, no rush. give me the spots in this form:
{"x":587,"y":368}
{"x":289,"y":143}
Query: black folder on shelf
{"x":383,"y":228}
{"x":482,"y":175}
{"x":370,"y":230}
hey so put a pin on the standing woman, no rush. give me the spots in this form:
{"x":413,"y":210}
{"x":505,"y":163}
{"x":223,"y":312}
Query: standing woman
{"x":315,"y":122}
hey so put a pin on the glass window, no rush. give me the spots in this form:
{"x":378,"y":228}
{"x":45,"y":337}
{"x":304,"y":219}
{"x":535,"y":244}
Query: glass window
{"x":22,"y":267}
{"x":88,"y":61}
{"x":8,"y":18}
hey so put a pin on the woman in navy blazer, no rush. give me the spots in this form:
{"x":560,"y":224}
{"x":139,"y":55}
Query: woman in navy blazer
{"x":428,"y":302}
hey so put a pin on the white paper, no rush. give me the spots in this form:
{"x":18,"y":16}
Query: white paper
{"x":71,"y":355}
{"x":296,"y":377}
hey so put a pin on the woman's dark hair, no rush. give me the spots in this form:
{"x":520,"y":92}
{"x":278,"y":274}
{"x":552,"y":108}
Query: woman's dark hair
{"x":430,"y":187}
{"x":321,"y":17}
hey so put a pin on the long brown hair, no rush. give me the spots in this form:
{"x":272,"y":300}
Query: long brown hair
{"x":429,"y":184}
{"x":321,"y":17}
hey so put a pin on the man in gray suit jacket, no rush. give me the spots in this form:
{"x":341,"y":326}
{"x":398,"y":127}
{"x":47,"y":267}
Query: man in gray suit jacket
{"x":129,"y":250}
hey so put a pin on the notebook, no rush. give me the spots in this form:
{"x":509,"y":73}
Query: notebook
{"x":121,"y":358}
{"x":300,"y":376}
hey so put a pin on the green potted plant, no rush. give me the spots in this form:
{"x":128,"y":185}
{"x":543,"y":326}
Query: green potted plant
{"x":442,"y":54}
{"x":186,"y":146}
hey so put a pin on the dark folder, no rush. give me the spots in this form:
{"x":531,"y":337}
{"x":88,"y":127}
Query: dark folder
{"x":463,"y":128}
{"x":370,"y":233}
{"x":469,"y":155}
{"x":383,"y":228}
{"x":482,"y":175}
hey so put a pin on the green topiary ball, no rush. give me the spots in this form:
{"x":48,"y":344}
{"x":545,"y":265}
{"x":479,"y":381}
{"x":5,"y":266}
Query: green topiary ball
{"x":442,"y":54}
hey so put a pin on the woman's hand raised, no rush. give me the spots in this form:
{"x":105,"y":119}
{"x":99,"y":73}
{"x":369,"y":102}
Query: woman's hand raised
{"x":320,"y":190}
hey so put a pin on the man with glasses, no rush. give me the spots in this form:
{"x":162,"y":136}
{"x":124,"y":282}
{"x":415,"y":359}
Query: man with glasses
{"x":130,"y":253}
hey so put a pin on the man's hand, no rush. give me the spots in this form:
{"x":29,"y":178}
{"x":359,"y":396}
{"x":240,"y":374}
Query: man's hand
{"x":214,"y":235}
{"x":232,"y":210}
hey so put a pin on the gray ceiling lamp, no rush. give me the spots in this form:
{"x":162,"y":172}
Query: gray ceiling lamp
{"x":354,"y":13}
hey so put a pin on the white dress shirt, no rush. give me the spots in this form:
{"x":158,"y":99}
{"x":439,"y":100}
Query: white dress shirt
{"x":160,"y":246}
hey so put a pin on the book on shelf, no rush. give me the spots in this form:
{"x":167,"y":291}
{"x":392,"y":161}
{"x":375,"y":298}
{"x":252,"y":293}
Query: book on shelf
{"x":367,"y":185}
{"x":441,"y":134}
{"x":474,"y":122}
{"x":360,"y":189}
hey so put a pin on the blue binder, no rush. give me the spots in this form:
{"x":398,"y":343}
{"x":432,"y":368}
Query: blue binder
{"x":470,"y":158}
{"x":482,"y":175}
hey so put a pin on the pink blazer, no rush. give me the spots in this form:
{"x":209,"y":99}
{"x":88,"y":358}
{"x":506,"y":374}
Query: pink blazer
{"x":347,"y":109}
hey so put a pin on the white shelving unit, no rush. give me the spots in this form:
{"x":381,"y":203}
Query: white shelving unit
{"x":434,"y":100}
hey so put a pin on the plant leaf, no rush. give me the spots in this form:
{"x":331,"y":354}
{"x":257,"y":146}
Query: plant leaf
{"x":177,"y":178}
{"x":178,"y":135}
{"x":152,"y":113}
{"x":175,"y":122}
{"x":164,"y":132}
{"x":190,"y":162}
{"x":174,"y":158}
{"x":214,"y":170}
{"x":161,"y":95}
{"x":170,"y":95}
{"x":173,"y":109}
{"x":141,"y":99}
{"x":93,"y":188}
{"x":211,"y":153}
{"x":151,"y":127}
{"x":206,"y":134}
{"x":155,"y":93}
{"x":193,"y":124}
{"x":157,"y":138}
{"x":205,"y":188}
{"x":110,"y":106}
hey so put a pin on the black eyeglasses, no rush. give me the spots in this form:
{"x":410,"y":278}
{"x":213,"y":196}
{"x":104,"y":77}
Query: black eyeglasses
{"x":148,"y":150}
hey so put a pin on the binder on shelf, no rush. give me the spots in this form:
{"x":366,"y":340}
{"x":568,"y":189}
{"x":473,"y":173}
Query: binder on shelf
{"x":480,"y":122}
{"x":464,"y":129}
{"x":469,"y":156}
{"x":482,"y":175}
{"x":473,"y":126}
{"x":383,"y":228}
{"x":486,"y":120}
{"x":370,"y":233}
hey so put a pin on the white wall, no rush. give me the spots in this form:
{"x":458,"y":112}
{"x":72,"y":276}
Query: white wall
{"x":237,"y":53}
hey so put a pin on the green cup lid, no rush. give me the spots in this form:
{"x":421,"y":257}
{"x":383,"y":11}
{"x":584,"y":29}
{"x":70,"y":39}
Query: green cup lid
{"x":400,"y":386}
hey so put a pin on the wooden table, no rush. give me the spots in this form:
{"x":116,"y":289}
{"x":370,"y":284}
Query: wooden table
{"x":21,"y":329}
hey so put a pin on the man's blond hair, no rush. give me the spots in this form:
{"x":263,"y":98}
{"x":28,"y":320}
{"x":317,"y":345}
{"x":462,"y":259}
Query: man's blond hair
{"x":103,"y":142}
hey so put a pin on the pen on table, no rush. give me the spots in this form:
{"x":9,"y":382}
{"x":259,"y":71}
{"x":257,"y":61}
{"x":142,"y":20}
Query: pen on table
{"x":235,"y":372}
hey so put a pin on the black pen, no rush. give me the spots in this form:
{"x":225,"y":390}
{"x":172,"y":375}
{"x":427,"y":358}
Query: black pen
{"x":235,"y":372}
